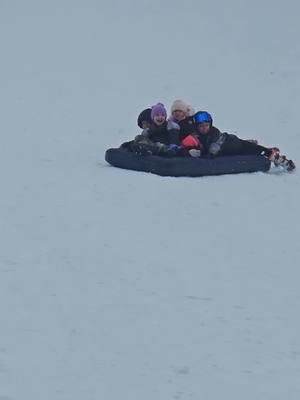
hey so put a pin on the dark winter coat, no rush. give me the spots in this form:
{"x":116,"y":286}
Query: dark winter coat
{"x":168,"y":133}
{"x":187,"y":127}
{"x":217,"y":143}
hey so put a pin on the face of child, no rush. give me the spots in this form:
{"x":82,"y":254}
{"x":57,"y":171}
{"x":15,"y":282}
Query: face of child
{"x":204,"y":128}
{"x":178,"y":115}
{"x":159,"y":119}
{"x":145,"y":124}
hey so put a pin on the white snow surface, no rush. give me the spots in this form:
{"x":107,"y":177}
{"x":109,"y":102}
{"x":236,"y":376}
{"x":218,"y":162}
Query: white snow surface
{"x":117,"y":284}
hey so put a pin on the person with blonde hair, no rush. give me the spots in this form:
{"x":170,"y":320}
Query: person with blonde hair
{"x":182,"y":114}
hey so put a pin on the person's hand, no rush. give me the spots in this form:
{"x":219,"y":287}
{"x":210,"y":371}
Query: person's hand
{"x":173,"y":146}
{"x":195,"y":153}
{"x":214,"y":149}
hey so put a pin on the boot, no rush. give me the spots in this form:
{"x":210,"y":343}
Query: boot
{"x":274,"y":155}
{"x":283,"y":162}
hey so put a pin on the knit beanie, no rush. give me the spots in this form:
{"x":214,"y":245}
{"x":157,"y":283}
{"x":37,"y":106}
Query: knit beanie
{"x":179,"y":105}
{"x":159,"y":108}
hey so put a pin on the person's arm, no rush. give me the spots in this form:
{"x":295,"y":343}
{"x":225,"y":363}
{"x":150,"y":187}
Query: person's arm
{"x":216,"y":141}
{"x":173,"y":132}
{"x":145,"y":132}
{"x":152,"y":133}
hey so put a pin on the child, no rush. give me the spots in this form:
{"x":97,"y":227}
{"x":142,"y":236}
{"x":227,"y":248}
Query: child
{"x":161,"y":138}
{"x":216,"y":143}
{"x":144,"y":120}
{"x":181,"y":113}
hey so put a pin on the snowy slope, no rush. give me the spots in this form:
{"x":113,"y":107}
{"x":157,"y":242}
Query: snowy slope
{"x":122,"y":285}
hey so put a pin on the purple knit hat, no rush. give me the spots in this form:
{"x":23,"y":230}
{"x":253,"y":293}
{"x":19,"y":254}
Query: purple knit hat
{"x":159,"y":108}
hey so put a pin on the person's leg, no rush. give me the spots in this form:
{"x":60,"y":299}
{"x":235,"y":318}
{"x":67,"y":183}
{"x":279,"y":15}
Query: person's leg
{"x":127,"y":145}
{"x":280,"y":160}
{"x":237,"y":146}
{"x":144,"y":146}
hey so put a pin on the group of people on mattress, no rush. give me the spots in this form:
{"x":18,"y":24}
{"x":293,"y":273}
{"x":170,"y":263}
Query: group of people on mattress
{"x":189,"y":134}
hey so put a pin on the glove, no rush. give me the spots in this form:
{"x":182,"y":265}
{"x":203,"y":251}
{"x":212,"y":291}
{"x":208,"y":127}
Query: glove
{"x":173,"y":146}
{"x":214,"y":149}
{"x":191,"y":141}
{"x":195,"y":153}
{"x":171,"y":150}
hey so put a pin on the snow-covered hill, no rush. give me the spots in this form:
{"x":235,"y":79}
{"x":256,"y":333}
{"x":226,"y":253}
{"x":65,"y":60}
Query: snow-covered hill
{"x":122,"y":285}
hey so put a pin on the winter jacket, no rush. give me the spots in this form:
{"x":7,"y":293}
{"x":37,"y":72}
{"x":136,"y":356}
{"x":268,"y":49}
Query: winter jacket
{"x":168,"y":133}
{"x":213,"y":141}
{"x":187,"y":127}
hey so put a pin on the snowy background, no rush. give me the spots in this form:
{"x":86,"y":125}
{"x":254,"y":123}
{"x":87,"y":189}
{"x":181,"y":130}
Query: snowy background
{"x":116,"y":284}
